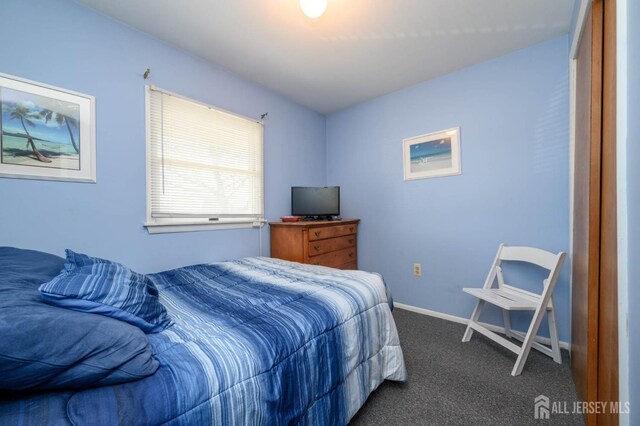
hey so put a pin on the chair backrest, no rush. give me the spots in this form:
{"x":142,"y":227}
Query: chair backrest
{"x":533,"y":255}
{"x":550,"y":261}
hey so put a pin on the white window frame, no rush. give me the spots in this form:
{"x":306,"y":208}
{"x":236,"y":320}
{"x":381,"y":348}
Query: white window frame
{"x":170,"y":225}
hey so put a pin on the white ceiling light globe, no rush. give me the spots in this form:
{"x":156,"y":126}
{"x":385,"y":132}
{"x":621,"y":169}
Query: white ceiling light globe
{"x":313,"y":8}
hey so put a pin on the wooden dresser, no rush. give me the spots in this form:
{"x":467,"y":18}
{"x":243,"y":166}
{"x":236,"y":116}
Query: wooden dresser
{"x":327,"y":243}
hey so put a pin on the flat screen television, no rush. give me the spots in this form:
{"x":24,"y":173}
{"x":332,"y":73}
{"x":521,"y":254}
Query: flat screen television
{"x":319,"y":202}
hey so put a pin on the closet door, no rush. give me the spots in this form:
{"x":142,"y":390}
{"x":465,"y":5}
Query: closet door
{"x":594,"y":348}
{"x":586,"y":210}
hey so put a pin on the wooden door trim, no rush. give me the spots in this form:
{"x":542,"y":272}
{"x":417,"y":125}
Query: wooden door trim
{"x":608,"y":290}
{"x":595,"y":187}
{"x":595,"y":170}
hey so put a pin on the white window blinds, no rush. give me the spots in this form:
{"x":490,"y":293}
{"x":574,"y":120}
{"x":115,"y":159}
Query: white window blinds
{"x":204,"y":162}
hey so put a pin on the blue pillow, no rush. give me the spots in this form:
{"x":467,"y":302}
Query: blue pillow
{"x":47,"y":347}
{"x":90,"y":284}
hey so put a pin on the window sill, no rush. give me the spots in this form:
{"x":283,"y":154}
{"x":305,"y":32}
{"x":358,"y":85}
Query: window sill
{"x":168,"y":227}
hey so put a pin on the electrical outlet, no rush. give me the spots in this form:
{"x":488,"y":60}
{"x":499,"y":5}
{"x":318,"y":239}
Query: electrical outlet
{"x":417,"y":270}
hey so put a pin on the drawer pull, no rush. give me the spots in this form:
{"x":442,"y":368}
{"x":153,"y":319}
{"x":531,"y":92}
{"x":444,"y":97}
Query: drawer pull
{"x":351,"y":254}
{"x":351,"y":229}
{"x":318,"y":233}
{"x":317,"y":262}
{"x":317,"y":248}
{"x":350,"y":240}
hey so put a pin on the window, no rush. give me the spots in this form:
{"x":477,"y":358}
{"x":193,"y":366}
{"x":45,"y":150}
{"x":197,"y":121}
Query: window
{"x":204,"y":166}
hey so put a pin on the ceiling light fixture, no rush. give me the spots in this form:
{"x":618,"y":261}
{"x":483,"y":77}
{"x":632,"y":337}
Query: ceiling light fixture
{"x":313,"y":8}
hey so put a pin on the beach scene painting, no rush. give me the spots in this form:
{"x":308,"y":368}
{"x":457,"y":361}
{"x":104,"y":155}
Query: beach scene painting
{"x":432,"y":155}
{"x":45,"y":132}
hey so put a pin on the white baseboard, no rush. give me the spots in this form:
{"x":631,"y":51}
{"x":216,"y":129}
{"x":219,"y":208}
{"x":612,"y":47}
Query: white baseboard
{"x":453,"y":318}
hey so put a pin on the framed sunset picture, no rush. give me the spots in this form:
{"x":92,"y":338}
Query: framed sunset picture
{"x":46,"y":132}
{"x":432,"y":155}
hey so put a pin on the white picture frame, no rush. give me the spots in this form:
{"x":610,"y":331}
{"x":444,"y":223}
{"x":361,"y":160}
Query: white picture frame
{"x":432,"y":155}
{"x":46,"y":132}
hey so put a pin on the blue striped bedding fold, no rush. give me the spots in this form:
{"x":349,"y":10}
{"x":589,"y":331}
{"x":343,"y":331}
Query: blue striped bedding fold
{"x":100,"y":286}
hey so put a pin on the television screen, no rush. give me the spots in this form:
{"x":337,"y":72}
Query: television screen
{"x":315,"y":200}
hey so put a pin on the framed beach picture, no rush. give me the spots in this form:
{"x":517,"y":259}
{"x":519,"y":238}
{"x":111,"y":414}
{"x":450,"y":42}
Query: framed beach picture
{"x":46,"y":132}
{"x":432,"y":155}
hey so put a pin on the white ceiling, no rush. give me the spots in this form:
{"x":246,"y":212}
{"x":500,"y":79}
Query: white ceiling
{"x":357,"y":50}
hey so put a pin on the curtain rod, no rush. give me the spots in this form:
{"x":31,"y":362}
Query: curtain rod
{"x":166,"y":92}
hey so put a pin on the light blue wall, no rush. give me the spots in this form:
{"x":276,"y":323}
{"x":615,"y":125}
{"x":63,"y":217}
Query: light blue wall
{"x":633,"y":203}
{"x":60,"y":43}
{"x":574,"y":20}
{"x":513,"y":115}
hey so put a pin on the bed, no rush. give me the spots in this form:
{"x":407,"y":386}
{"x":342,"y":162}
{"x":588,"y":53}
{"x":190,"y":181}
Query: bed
{"x":254,"y":341}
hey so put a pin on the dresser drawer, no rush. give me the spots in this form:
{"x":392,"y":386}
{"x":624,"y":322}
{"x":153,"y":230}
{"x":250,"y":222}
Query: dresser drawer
{"x":335,"y":258}
{"x":332,"y":244}
{"x":350,"y":265}
{"x":324,"y":232}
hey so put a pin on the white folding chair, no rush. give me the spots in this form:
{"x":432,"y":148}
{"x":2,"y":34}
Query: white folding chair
{"x":510,"y":298}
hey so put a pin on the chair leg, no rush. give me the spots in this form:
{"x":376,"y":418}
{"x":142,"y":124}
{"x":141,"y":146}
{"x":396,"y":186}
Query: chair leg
{"x":474,"y":318}
{"x":528,"y":341}
{"x":507,"y":323}
{"x":553,"y":333}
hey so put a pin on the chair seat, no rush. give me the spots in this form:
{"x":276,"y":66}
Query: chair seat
{"x":504,"y":299}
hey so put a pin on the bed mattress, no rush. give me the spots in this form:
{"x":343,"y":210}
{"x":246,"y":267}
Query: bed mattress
{"x":256,"y":341}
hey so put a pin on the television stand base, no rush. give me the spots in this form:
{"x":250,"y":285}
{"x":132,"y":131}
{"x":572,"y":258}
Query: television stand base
{"x":319,"y":218}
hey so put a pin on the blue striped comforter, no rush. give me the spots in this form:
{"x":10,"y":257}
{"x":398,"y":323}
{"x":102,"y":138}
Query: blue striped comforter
{"x":256,"y":341}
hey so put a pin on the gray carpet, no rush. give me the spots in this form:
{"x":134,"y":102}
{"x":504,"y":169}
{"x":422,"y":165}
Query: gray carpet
{"x":455,"y":383}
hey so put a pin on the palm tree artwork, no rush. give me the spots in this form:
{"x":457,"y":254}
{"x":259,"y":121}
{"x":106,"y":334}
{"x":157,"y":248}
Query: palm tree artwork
{"x":63,"y":115}
{"x":26,"y":115}
{"x":42,"y":131}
